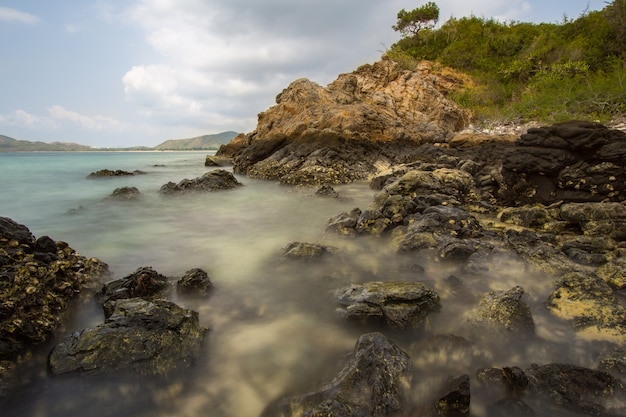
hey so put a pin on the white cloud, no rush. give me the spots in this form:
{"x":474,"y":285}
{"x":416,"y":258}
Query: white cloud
{"x":13,"y":15}
{"x":98,"y":122}
{"x":23,"y":119}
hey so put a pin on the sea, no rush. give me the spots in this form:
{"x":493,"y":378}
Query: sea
{"x":273,"y":328}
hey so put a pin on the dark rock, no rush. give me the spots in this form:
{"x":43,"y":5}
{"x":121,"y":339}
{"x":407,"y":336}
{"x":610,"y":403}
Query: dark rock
{"x":504,"y":311}
{"x":306,"y":251}
{"x":539,"y":253}
{"x":510,"y":407}
{"x":605,"y":219}
{"x":195,"y":282}
{"x":614,"y":273}
{"x":103,"y":173}
{"x":587,"y":250}
{"x":458,"y":249}
{"x":148,"y":338}
{"x":400,"y":305}
{"x":454,"y":398}
{"x":590,"y":304}
{"x":571,"y":162}
{"x":535,"y":216}
{"x":372,"y":383}
{"x":125,"y":194}
{"x":614,"y":363}
{"x":145,"y":282}
{"x":215,"y":180}
{"x":344,"y":224}
{"x":326,"y":191}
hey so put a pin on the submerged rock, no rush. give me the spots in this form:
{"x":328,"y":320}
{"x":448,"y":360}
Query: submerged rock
{"x":400,"y":305}
{"x":306,"y":251}
{"x":148,"y":338}
{"x":215,"y":180}
{"x":454,"y":398}
{"x":504,"y":311}
{"x":103,"y":173}
{"x":374,"y":382}
{"x":125,"y":194}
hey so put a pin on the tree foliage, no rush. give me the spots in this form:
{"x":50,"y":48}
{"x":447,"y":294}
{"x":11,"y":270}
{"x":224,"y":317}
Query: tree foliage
{"x":527,"y":70}
{"x":412,"y":22}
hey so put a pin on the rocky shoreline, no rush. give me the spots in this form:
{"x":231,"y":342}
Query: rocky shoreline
{"x":550,"y":199}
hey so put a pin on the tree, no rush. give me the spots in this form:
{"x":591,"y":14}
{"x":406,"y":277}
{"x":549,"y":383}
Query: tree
{"x":411,"y":22}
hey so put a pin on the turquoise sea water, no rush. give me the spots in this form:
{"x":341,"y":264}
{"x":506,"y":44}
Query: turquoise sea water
{"x":273,"y":327}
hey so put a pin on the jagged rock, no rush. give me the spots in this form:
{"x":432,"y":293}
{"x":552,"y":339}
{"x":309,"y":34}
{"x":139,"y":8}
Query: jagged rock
{"x":614,"y":363}
{"x":587,"y":250}
{"x":38,"y":278}
{"x":327,"y":191}
{"x":400,"y":305}
{"x":358,"y":124}
{"x":195,"y":282}
{"x":125,"y":194}
{"x":145,"y":282}
{"x":590,"y":304}
{"x":344,"y":223}
{"x":372,"y":383}
{"x":148,"y":338}
{"x":573,"y":161}
{"x":504,"y":312}
{"x":103,"y":173}
{"x":217,"y":161}
{"x":215,"y":180}
{"x":538,"y":252}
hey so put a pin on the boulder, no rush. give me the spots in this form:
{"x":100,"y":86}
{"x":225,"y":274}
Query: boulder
{"x":144,"y":337}
{"x":573,"y":161}
{"x":399,"y":305}
{"x":145,"y":282}
{"x":348,"y":130}
{"x":590,"y":304}
{"x":613,"y":273}
{"x":374,"y":382}
{"x":454,"y":398}
{"x":605,"y":219}
{"x":504,"y":312}
{"x":215,"y":180}
{"x":306,"y":251}
{"x":125,"y":194}
{"x":195,"y":282}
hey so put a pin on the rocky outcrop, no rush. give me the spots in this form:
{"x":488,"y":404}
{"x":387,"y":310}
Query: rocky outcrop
{"x":125,"y":194}
{"x":215,"y":180}
{"x":148,"y":338}
{"x":38,"y":279}
{"x":306,"y":251}
{"x":399,"y":305}
{"x":358,"y":125}
{"x":572,"y":161}
{"x":145,"y":283}
{"x":195,"y":282}
{"x":372,"y":383}
{"x":104,"y":173}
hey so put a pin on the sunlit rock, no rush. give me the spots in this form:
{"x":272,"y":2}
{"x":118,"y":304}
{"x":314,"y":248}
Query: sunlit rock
{"x":374,"y":382}
{"x":504,"y":312}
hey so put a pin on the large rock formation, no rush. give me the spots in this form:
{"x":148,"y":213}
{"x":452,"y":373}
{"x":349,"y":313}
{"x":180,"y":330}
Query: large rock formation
{"x":357,"y":125}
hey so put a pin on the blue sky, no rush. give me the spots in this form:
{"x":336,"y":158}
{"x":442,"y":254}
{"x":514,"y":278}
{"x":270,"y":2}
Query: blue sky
{"x":118,"y":73}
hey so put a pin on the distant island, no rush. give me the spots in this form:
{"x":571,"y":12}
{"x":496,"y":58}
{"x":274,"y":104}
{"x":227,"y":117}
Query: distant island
{"x":199,"y":143}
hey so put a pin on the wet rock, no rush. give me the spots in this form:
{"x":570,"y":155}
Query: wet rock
{"x":217,"y":161}
{"x":567,"y":388}
{"x":38,"y":278}
{"x":504,"y":312}
{"x":306,"y":251}
{"x":589,"y":302}
{"x":454,"y":398}
{"x":374,"y":382}
{"x":215,"y":180}
{"x":372,"y":222}
{"x":399,"y":305}
{"x":614,"y":363}
{"x":195,"y":282}
{"x":529,"y":216}
{"x":344,"y":224}
{"x":539,"y":252}
{"x":145,"y":282}
{"x":148,"y":338}
{"x":587,"y":250}
{"x":510,"y":407}
{"x":103,"y":173}
{"x":125,"y":194}
{"x":573,"y":161}
{"x":326,"y":191}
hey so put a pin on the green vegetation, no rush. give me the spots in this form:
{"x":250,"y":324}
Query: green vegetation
{"x":523,"y":71}
{"x":205,"y":142}
{"x":8,"y":144}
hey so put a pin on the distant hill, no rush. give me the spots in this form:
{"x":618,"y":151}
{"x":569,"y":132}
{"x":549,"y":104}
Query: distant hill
{"x":8,"y":144}
{"x":205,"y":142}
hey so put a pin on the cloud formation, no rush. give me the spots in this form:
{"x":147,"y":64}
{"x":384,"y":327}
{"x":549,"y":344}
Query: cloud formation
{"x":12,"y":15}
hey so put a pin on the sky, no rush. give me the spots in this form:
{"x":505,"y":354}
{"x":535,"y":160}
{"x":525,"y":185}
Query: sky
{"x":121,"y":73}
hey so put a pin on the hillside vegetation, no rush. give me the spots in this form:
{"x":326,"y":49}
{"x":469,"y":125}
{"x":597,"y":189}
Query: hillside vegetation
{"x":205,"y":142}
{"x":547,"y":72}
{"x":8,"y":144}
